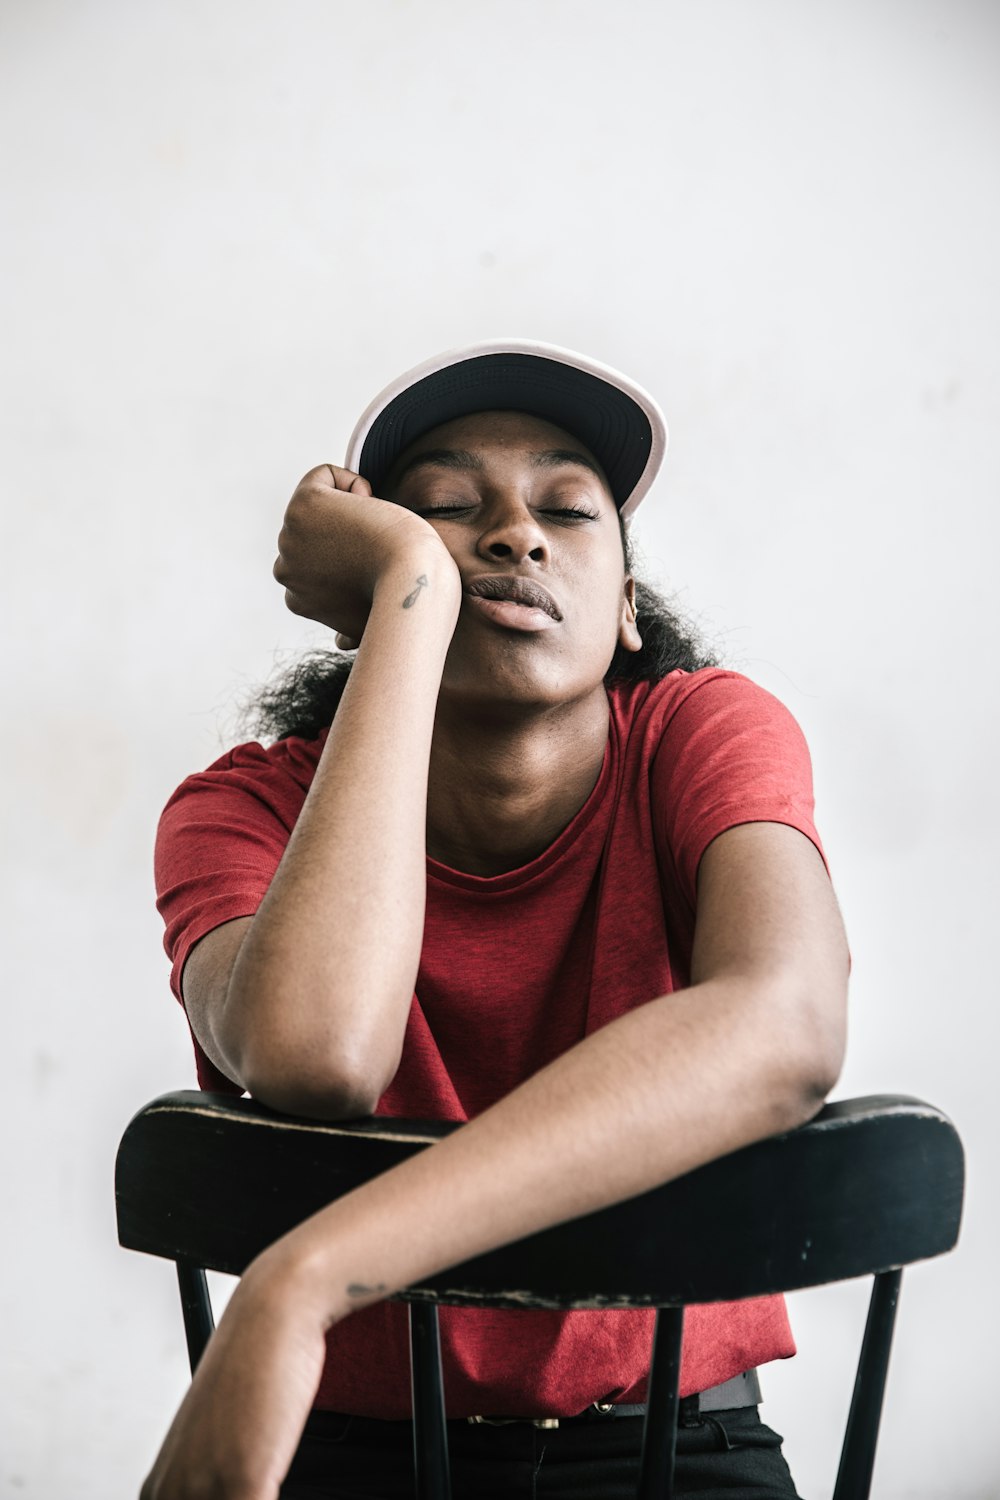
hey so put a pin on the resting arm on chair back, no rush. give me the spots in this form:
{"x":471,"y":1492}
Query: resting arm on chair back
{"x":748,"y":1049}
{"x":868,"y":1186}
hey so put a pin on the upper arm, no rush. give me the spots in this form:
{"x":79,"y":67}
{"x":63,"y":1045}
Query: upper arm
{"x":205,"y":987}
{"x":767,"y":919}
{"x":739,"y":853}
{"x":219,"y":842}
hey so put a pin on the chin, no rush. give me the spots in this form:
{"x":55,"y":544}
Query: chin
{"x":512,"y":686}
{"x":510,"y":671}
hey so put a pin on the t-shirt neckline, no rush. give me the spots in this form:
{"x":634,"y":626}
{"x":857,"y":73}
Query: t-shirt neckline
{"x":577,"y":825}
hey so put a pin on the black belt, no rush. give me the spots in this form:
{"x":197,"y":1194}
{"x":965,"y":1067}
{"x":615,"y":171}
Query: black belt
{"x":741,"y":1390}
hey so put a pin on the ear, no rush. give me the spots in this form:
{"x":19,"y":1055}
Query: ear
{"x":628,"y":630}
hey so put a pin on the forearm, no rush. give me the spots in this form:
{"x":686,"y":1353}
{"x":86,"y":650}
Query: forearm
{"x":674,"y":1084}
{"x":322,"y":984}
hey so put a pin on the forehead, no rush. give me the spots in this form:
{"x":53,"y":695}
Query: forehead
{"x":503,"y":437}
{"x":504,"y":428}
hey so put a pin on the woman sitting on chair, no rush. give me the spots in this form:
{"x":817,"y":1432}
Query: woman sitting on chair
{"x":525,"y":862}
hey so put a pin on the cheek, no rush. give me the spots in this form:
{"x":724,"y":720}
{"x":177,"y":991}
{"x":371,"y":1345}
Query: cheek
{"x":451,"y":536}
{"x":605,"y":589}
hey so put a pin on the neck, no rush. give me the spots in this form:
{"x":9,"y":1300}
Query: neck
{"x":499,"y":792}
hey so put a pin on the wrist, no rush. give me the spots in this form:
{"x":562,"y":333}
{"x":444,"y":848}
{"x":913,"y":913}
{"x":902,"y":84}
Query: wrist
{"x":299,"y":1274}
{"x":324,"y":1268}
{"x":419,"y":593}
{"x":441,"y":583}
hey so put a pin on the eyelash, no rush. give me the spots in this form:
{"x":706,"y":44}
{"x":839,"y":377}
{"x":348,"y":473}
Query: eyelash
{"x":563,"y":511}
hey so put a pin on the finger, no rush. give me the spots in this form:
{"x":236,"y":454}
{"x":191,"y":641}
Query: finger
{"x":346,"y":479}
{"x":346,"y":642}
{"x":332,"y":476}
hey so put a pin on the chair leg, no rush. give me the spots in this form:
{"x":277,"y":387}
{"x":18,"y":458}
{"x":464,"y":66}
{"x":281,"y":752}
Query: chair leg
{"x":857,"y":1458}
{"x":430,"y":1436}
{"x":196,"y":1305}
{"x":659,"y":1433}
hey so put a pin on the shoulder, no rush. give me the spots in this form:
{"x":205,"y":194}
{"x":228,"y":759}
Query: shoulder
{"x":276,"y":775}
{"x":720,"y":751}
{"x":244,"y":805}
{"x":713,"y":702}
{"x":222,"y":834}
{"x":293,"y":758}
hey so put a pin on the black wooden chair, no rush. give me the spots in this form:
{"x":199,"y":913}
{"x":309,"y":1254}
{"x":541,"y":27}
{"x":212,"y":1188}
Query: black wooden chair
{"x":867,"y":1187}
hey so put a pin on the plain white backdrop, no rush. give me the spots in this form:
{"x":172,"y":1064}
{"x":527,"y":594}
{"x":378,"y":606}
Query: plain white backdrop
{"x":227,"y":225}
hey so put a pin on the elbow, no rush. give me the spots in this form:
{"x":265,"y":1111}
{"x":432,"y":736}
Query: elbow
{"x":817,"y":1056}
{"x":794,"y":1028}
{"x":314,"y":1084}
{"x":809,"y":1092}
{"x":311,"y":1099}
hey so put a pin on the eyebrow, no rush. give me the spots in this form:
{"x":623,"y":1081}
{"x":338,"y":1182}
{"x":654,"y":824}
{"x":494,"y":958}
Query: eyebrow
{"x":462,"y":460}
{"x":554,"y":458}
{"x":444,"y":458}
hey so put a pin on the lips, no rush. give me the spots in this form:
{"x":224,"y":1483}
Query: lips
{"x":512,"y":588}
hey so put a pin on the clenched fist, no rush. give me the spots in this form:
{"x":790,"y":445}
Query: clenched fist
{"x":338,"y":541}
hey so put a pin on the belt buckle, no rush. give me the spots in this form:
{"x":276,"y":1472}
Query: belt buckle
{"x":547,"y":1422}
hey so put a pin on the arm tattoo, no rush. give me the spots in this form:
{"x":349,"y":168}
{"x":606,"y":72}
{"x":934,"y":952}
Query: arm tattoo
{"x":411,"y":599}
{"x":358,"y":1289}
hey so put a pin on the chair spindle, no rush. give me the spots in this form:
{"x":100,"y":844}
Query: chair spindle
{"x":196,"y":1305}
{"x":857,"y":1457}
{"x":430,"y":1436}
{"x":659,"y":1432}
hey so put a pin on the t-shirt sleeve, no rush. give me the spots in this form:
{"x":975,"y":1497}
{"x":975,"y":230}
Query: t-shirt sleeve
{"x":730,"y":753}
{"x":219,"y":842}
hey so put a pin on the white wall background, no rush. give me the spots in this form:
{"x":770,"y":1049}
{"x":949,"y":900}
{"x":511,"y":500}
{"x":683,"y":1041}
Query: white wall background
{"x":226,"y":226}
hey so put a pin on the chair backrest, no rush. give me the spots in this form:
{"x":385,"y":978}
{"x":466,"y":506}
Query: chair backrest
{"x":867,"y":1187}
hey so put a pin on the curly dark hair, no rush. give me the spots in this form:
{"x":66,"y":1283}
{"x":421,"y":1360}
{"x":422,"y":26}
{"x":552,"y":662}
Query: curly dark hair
{"x":302,"y":700}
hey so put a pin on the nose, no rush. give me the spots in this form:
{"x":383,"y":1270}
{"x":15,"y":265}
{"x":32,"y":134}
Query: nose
{"x":512,"y":534}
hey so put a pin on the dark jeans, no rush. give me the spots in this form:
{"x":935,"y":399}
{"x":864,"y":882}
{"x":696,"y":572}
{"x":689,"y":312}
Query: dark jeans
{"x":729,"y":1455}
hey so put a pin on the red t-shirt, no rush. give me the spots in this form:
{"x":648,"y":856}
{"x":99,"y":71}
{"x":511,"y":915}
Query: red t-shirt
{"x":515,"y":969}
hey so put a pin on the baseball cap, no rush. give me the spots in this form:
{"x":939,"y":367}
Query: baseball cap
{"x":611,"y":415}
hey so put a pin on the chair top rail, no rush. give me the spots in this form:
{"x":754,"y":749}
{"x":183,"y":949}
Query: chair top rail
{"x":868,"y":1185}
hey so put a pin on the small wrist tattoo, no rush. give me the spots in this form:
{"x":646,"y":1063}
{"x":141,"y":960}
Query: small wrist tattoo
{"x":411,"y":599}
{"x":358,"y":1289}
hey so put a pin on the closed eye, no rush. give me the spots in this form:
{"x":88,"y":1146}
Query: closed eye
{"x":569,"y":513}
{"x":442,"y":510}
{"x":566,"y":514}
